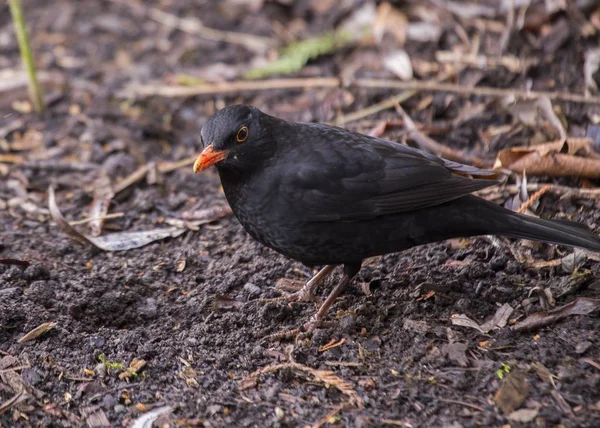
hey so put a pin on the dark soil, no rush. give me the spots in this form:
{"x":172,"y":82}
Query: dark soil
{"x":188,"y":306}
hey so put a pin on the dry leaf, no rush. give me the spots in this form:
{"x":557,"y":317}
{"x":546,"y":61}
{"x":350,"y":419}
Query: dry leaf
{"x":555,"y":159}
{"x":580,"y":306}
{"x":147,"y":419}
{"x":114,"y":242}
{"x":527,"y":112}
{"x":513,"y":392}
{"x":390,"y":20}
{"x":499,"y":320}
{"x":523,"y":415}
{"x":38,"y":331}
{"x":398,"y":62}
{"x":134,"y":367}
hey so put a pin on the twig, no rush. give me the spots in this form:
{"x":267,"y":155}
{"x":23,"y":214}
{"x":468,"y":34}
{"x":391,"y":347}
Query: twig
{"x":462,"y":403}
{"x":327,"y":418}
{"x":104,"y":217}
{"x":428,"y":85}
{"x":430,"y":145}
{"x":59,"y":167}
{"x":563,"y":191}
{"x":35,"y":90}
{"x":165,"y":167}
{"x":537,"y":195}
{"x":334,"y":82}
{"x":229,"y":87}
{"x":375,"y":108}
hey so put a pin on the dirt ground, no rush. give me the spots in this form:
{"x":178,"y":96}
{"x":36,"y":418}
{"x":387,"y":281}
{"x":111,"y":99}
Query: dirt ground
{"x":188,"y":306}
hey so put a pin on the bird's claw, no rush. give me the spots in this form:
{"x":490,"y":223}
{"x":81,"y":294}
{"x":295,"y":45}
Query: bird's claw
{"x":300,"y":296}
{"x":299,"y":333}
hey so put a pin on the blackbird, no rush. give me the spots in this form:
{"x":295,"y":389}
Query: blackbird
{"x":324,"y":195}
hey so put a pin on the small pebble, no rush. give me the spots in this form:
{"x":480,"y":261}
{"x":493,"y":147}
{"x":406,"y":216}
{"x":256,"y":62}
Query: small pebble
{"x":252,"y":289}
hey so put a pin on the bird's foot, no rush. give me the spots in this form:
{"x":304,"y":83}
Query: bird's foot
{"x":303,"y":295}
{"x":303,"y":292}
{"x":299,"y":333}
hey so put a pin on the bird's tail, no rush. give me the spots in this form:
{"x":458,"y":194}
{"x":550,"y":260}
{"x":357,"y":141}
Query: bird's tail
{"x":560,"y":232}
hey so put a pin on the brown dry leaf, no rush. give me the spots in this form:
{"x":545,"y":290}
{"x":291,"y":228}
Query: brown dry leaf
{"x":134,"y":367}
{"x":38,"y":331}
{"x":513,"y":392}
{"x":556,"y":158}
{"x":544,"y":374}
{"x":114,"y":242}
{"x":580,"y":306}
{"x":390,"y":20}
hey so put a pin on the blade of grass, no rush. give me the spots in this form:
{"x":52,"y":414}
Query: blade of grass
{"x":35,"y":91}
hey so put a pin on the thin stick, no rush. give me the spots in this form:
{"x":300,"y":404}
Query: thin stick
{"x":537,"y":195}
{"x":375,"y":108}
{"x":334,"y":82}
{"x":428,"y":85}
{"x":35,"y":91}
{"x":228,"y":87}
{"x":563,"y":191}
{"x":87,"y":220}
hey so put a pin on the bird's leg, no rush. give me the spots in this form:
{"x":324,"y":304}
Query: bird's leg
{"x":349,"y":272}
{"x":307,"y":292}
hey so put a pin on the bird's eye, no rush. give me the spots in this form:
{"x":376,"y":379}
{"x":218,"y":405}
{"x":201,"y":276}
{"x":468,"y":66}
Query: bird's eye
{"x":242,"y":134}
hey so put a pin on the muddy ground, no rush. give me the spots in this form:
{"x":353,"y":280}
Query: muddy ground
{"x":188,"y":306}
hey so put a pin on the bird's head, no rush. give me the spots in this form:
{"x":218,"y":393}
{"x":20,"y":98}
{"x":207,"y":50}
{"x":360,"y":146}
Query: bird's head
{"x":233,"y":137}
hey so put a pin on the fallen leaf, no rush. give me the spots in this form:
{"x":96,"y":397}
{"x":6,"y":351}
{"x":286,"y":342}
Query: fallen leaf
{"x":390,"y":20}
{"x":580,"y":306}
{"x":523,"y":415}
{"x":114,"y":242}
{"x":499,"y":320}
{"x":556,"y":159}
{"x":512,"y":392}
{"x":398,"y":62}
{"x":134,"y":367}
{"x":146,"y":420}
{"x":456,"y":351}
{"x":528,"y":113}
{"x":37,"y":332}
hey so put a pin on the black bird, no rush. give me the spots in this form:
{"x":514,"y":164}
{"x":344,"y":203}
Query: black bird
{"x":328,"y":196}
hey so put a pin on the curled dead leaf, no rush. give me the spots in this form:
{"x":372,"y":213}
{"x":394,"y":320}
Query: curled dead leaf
{"x":114,"y":242}
{"x":556,"y":159}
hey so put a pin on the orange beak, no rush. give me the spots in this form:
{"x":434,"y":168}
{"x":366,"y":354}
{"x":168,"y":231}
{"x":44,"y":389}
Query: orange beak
{"x":209,"y":157}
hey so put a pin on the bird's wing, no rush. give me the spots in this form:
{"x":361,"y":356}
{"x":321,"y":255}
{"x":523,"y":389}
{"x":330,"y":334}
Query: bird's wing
{"x":347,"y":176}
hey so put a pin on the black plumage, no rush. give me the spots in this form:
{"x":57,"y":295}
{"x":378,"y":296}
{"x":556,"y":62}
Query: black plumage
{"x":326,"y":196}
